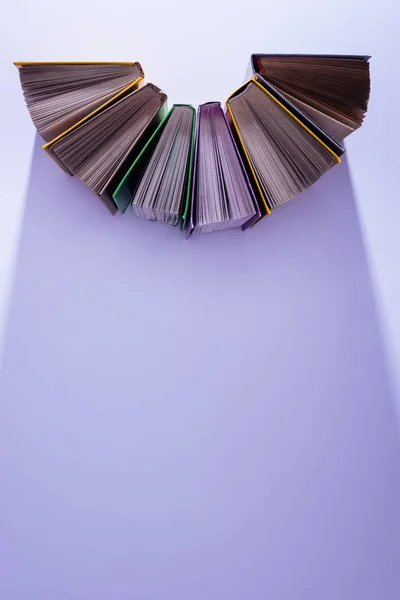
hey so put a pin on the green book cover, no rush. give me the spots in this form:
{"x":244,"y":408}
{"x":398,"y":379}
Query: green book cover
{"x":122,"y":195}
{"x":186,"y":208}
{"x":124,"y":192}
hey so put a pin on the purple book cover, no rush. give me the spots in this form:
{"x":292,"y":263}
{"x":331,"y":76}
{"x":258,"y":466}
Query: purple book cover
{"x":215,"y":107}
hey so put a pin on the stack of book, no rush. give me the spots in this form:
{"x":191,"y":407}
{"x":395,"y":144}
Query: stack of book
{"x":213,"y":169}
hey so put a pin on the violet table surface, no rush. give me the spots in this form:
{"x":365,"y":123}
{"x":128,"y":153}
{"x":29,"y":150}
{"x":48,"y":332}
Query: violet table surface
{"x":197,"y":419}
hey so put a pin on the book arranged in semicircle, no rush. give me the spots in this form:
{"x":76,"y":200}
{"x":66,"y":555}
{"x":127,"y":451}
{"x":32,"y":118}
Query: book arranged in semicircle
{"x":280,"y":132}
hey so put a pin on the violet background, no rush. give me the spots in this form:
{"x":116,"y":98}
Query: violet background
{"x":154,"y":445}
{"x":210,"y":418}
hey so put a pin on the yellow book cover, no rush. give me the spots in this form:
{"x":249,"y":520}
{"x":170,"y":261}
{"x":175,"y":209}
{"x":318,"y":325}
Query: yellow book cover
{"x":50,"y":133}
{"x":236,"y":128}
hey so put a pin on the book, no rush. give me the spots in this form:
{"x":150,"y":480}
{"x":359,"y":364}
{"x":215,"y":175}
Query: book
{"x":158,"y":182}
{"x":98,"y":148}
{"x":328,"y":92}
{"x":284,"y":156}
{"x":60,"y":94}
{"x":221,"y":195}
{"x":280,"y":132}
